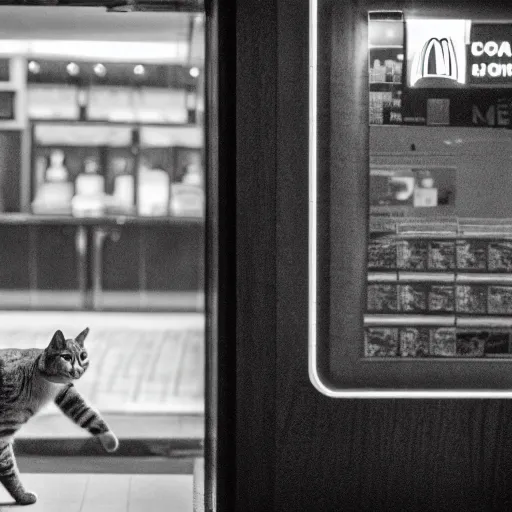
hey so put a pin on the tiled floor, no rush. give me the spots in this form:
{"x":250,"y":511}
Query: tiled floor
{"x":106,"y":493}
{"x":146,"y":377}
{"x":140,"y":363}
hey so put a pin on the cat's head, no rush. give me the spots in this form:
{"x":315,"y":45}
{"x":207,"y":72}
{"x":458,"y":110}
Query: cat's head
{"x":64,"y":360}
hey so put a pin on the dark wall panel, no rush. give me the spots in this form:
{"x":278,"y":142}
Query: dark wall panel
{"x":14,"y":257}
{"x":359,"y":456}
{"x":10,"y":164}
{"x":56,"y":257}
{"x":256,"y":83}
{"x":174,"y":256}
{"x":121,"y":259}
{"x":326,"y":454}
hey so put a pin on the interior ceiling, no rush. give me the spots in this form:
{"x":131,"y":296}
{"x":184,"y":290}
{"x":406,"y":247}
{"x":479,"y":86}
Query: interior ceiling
{"x":96,"y":24}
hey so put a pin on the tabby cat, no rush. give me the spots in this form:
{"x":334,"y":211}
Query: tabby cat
{"x":31,"y":378}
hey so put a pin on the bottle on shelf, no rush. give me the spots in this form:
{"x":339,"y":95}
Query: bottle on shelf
{"x":153,"y":193}
{"x":187,"y":197}
{"x":122,"y":200}
{"x":54,"y":195}
{"x":89,"y":199}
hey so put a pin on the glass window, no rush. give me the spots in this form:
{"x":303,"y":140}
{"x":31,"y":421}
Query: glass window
{"x":102,"y":212}
{"x":103,"y":149}
{"x":440,"y":225}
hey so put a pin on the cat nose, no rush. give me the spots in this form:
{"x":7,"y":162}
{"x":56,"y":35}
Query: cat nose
{"x":76,"y":373}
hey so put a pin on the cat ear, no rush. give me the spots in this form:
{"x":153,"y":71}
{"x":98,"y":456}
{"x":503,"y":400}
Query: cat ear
{"x":58,"y":341}
{"x":81,"y":337}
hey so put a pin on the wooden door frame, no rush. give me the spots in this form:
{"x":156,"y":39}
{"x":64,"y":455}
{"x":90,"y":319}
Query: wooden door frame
{"x":247,"y":424}
{"x":220,"y":257}
{"x":260,"y":247}
{"x":292,"y":448}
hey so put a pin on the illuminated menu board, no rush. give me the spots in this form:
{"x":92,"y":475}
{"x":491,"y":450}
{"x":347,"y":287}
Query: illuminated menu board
{"x":436,"y":53}
{"x":489,"y":55}
{"x":455,"y":72}
{"x":458,"y":53}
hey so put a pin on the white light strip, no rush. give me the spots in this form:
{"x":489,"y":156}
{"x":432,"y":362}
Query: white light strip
{"x":312,"y":172}
{"x":312,"y":284}
{"x":119,"y":51}
{"x":37,"y":321}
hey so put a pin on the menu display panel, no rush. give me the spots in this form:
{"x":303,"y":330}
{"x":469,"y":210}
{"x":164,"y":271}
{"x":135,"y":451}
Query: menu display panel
{"x":490,"y":55}
{"x":410,"y":217}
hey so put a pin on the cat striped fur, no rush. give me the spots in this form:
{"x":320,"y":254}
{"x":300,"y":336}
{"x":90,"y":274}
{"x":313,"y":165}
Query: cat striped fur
{"x":30,"y":379}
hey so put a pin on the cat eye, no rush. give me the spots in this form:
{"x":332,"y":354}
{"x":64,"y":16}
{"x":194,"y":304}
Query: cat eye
{"x":83,"y":356}
{"x":66,"y":357}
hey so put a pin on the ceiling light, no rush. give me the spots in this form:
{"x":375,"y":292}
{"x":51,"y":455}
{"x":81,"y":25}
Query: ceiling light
{"x":73,"y":68}
{"x":34,"y":67}
{"x":100,"y":70}
{"x":139,"y":69}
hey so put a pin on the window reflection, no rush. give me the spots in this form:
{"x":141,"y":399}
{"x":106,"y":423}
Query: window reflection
{"x":440,"y":247}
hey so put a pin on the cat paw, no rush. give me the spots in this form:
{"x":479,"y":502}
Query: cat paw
{"x":26,"y":498}
{"x":109,"y":441}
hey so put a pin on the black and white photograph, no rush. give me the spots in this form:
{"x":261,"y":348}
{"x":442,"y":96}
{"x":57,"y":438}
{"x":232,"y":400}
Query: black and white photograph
{"x":255,"y":256}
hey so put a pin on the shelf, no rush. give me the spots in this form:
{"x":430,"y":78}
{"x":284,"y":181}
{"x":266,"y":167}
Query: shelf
{"x":432,"y":227}
{"x":484,"y":322}
{"x":383,"y":277}
{"x":411,"y":320}
{"x":116,"y":134}
{"x":398,"y":276}
{"x":442,"y":236}
{"x":114,"y":220}
{"x":470,"y":322}
{"x":429,"y":212}
{"x":101,"y":122}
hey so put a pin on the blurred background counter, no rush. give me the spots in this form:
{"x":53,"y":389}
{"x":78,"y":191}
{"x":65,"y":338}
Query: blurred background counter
{"x":109,"y":263}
